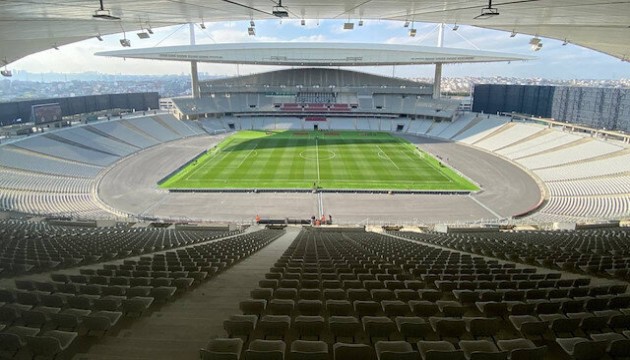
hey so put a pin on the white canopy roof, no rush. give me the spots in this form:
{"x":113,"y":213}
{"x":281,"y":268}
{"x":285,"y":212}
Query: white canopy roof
{"x":315,"y":54}
{"x":29,"y":26}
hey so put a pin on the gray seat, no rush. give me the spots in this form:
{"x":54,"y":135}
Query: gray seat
{"x":522,"y":349}
{"x":12,"y":339}
{"x":395,"y":350}
{"x":344,"y":351}
{"x":583,"y":349}
{"x":618,"y":345}
{"x":344,"y":326}
{"x":309,"y":350}
{"x":136,"y":306}
{"x":240,"y":325}
{"x":529,"y":325}
{"x":309,"y":325}
{"x":266,"y":350}
{"x":378,"y":326}
{"x":482,"y":350}
{"x":413,"y":327}
{"x":50,"y":343}
{"x":99,"y":322}
{"x":439,"y":350}
{"x":274,"y":325}
{"x":222,"y":349}
{"x":448,"y":327}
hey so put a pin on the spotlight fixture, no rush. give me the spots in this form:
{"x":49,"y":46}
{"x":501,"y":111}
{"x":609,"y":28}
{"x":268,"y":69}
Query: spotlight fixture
{"x":513,"y":34}
{"x":412,"y":32}
{"x":360,"y":22}
{"x":55,"y":47}
{"x":125,"y":42}
{"x":406,"y":24}
{"x":143,"y":35}
{"x":6,"y":73}
{"x":103,"y":14}
{"x":348,"y":26}
{"x":252,"y":23}
{"x":303,"y":22}
{"x":455,"y":27}
{"x":534,"y":41}
{"x":202,"y":25}
{"x":279,"y":11}
{"x":99,"y":37}
{"x":150,"y":31}
{"x":565,"y":42}
{"x":251,"y":31}
{"x":488,"y":12}
{"x":537,"y":46}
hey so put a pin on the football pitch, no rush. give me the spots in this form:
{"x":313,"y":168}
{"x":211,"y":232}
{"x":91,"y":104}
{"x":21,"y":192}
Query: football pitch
{"x":327,"y":160}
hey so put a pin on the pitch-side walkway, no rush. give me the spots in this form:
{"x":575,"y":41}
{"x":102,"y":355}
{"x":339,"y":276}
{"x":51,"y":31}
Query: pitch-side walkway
{"x":179,"y":329}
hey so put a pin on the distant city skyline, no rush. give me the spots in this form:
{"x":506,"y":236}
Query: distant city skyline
{"x":554,"y":60}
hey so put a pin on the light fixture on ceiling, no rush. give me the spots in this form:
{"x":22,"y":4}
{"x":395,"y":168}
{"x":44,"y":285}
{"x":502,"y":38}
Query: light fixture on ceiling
{"x":251,"y":31}
{"x":252,"y":23}
{"x":565,"y":42}
{"x":149,"y":30}
{"x":413,"y":32}
{"x":406,"y":24}
{"x":513,"y":34}
{"x":488,"y":12}
{"x":6,"y":73}
{"x":202,"y":25}
{"x":143,"y":35}
{"x":99,"y":37}
{"x":348,"y":25}
{"x":303,"y":22}
{"x":104,"y":14}
{"x":455,"y":27}
{"x":279,"y":11}
{"x":125,"y":42}
{"x":534,"y":41}
{"x":536,"y":47}
{"x":360,"y":22}
{"x":55,"y":47}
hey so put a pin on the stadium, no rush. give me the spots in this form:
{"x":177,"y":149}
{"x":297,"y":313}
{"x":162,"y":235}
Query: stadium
{"x":317,"y":212}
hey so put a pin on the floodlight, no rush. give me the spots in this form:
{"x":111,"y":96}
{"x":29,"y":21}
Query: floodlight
{"x":513,"y":34}
{"x":55,"y":47}
{"x":406,"y":24}
{"x":99,"y":37}
{"x":252,"y":23}
{"x":412,"y":32}
{"x":6,"y":73}
{"x":251,"y":31}
{"x":279,"y":11}
{"x":537,"y":47}
{"x":565,"y":42}
{"x":202,"y":25}
{"x":303,"y":22}
{"x":150,"y":31}
{"x":143,"y":35}
{"x":103,"y":14}
{"x":125,"y":42}
{"x":360,"y":22}
{"x":348,"y":26}
{"x":455,"y":27}
{"x":534,"y":41}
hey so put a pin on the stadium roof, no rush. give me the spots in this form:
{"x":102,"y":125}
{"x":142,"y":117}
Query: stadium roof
{"x":29,"y":26}
{"x":315,"y":54}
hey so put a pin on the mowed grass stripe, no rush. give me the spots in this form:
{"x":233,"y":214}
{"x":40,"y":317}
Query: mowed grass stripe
{"x":347,"y":160}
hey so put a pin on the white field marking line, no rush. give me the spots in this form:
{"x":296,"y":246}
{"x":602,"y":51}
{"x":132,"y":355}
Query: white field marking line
{"x":485,"y":207}
{"x":346,"y":181}
{"x":317,"y":153}
{"x":387,"y":157}
{"x":247,"y":156}
{"x":419,"y":153}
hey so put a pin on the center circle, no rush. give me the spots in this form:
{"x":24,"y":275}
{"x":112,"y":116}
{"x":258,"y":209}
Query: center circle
{"x":312,"y":154}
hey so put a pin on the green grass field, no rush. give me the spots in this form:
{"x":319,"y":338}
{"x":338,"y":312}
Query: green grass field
{"x":332,"y":160}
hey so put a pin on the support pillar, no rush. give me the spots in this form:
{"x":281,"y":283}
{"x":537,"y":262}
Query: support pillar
{"x":437,"y":78}
{"x":194,"y":74}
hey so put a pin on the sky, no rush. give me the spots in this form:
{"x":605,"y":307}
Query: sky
{"x":554,"y":61}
